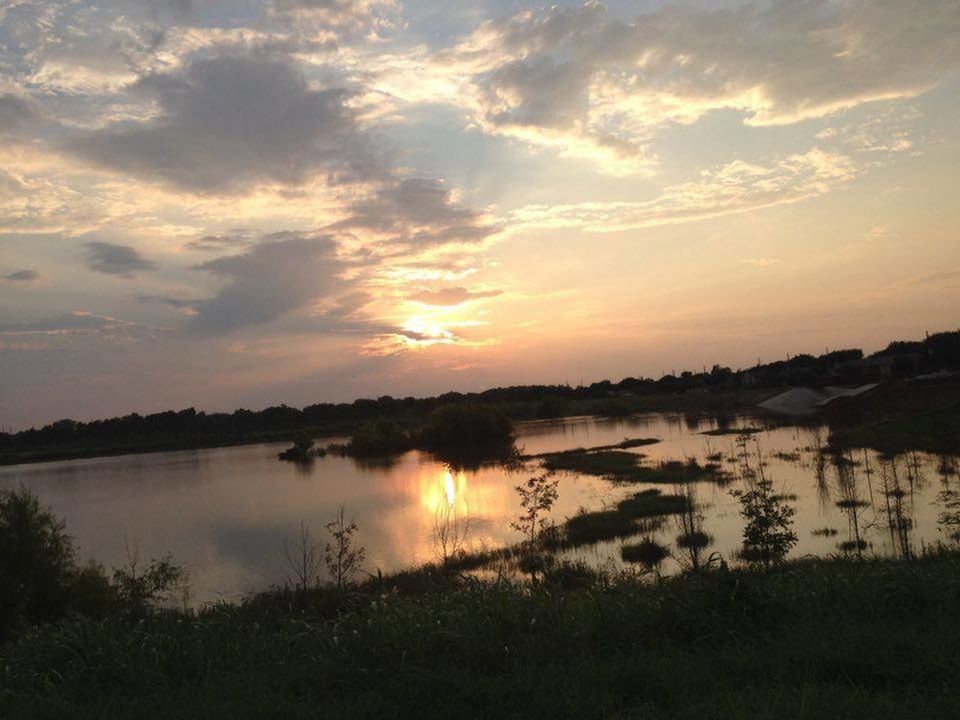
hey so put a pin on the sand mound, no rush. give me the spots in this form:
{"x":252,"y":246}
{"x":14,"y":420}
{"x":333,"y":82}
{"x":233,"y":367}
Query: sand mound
{"x":805,"y":401}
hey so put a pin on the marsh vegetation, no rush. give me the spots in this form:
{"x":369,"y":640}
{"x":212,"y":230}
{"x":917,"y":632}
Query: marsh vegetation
{"x":674,"y":613}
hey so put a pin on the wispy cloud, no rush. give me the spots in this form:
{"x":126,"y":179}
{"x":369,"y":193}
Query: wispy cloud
{"x":75,"y":322}
{"x":734,"y":188}
{"x":451,"y":296}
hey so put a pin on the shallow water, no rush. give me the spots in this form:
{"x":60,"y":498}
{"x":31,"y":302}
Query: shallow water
{"x":225,"y":513}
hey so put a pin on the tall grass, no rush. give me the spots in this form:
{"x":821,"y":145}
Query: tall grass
{"x":819,"y":638}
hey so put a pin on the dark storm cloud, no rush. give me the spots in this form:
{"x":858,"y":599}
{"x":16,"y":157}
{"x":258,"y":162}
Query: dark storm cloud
{"x":230,"y":122}
{"x":111,"y":259}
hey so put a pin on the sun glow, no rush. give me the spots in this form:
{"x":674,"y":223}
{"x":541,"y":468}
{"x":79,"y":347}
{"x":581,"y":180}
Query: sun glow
{"x":449,"y":488}
{"x":444,"y":490}
{"x":427,"y":329}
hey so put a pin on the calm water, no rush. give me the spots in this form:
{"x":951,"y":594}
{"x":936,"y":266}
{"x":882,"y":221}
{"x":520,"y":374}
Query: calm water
{"x":225,"y":513}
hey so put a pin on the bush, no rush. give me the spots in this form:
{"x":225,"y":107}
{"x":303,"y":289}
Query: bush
{"x":141,"y":591}
{"x":37,"y":563}
{"x":467,"y":431}
{"x":42,"y":582}
{"x":378,"y":437}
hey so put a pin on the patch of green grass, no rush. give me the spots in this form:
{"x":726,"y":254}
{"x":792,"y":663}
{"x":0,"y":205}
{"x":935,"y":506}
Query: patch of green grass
{"x":587,"y":528}
{"x":870,"y":640}
{"x":626,"y":467}
{"x":605,"y":463}
{"x":592,"y":527}
{"x":899,"y":418}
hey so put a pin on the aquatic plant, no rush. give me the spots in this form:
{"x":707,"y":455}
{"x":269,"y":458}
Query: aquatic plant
{"x":586,"y":528}
{"x":627,"y":467}
{"x":824,"y":532}
{"x":768,"y":533}
{"x":450,"y":530}
{"x":301,"y":451}
{"x":647,"y":552}
{"x":849,"y":546}
{"x":897,"y":507}
{"x":694,"y":540}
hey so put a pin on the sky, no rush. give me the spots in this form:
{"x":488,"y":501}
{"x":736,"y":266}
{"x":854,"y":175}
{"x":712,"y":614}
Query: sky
{"x":239,"y":204}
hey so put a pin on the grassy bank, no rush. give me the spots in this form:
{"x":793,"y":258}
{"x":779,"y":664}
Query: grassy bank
{"x":812,"y":639}
{"x":899,"y":417}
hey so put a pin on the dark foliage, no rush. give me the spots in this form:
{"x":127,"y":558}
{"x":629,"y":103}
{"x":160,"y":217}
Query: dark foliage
{"x":192,"y":429}
{"x":467,"y":432}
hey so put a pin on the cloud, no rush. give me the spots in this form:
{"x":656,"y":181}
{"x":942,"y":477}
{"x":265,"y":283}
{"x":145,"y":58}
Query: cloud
{"x":451,"y":296}
{"x":228,"y":123}
{"x":15,"y":114}
{"x":286,"y":272}
{"x":342,"y":14}
{"x":237,"y":239}
{"x":80,"y":48}
{"x":593,"y":85}
{"x":417,"y":212}
{"x":75,"y":322}
{"x":23,"y":276}
{"x":732,"y":188}
{"x":945,"y":279}
{"x":121,"y":260}
{"x":762,"y":262}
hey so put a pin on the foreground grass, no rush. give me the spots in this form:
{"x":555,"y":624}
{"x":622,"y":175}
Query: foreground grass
{"x":878,"y":639}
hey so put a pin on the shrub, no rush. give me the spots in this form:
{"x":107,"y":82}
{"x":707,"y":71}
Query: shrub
{"x":342,"y":558}
{"x":378,"y":437}
{"x":37,"y":562}
{"x":768,"y":533}
{"x":467,"y":431}
{"x":141,"y":591}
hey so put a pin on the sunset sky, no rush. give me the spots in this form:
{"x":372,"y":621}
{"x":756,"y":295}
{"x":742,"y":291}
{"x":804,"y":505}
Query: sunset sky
{"x":237,"y":204}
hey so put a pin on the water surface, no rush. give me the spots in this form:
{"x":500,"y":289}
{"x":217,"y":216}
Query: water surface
{"x":225,"y":513}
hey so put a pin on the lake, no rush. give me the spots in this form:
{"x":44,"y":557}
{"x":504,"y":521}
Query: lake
{"x":225,"y":513}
